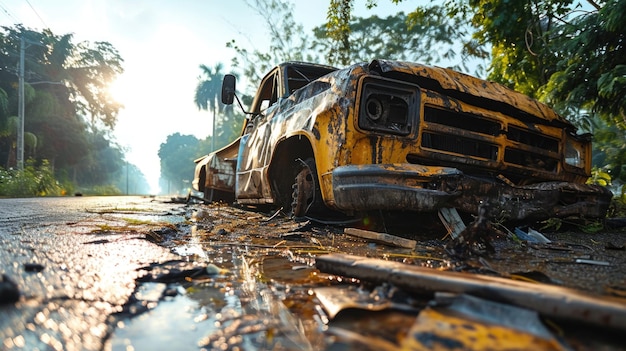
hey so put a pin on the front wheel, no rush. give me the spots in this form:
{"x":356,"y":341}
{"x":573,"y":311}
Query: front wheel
{"x":305,"y":191}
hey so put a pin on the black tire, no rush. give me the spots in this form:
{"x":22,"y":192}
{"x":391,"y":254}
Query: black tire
{"x":305,"y":190}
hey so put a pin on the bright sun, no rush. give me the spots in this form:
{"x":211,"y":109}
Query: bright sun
{"x":118,"y":90}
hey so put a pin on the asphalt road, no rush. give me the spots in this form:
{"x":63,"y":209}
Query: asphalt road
{"x":135,"y":273}
{"x":74,"y":262}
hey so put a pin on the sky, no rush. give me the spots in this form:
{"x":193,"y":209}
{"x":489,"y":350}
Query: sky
{"x":162,"y":43}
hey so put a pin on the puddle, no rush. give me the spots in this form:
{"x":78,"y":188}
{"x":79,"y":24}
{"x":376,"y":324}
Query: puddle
{"x":233,"y":309}
{"x":178,"y":322}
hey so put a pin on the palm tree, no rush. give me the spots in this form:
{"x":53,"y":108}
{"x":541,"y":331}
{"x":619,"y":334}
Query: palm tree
{"x":208,"y":93}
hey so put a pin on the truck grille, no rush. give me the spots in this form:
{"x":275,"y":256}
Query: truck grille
{"x":463,"y":134}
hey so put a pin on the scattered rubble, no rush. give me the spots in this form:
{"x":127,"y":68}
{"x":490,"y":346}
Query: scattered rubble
{"x":268,"y":281}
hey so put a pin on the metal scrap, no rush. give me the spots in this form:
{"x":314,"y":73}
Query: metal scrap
{"x":548,"y":300}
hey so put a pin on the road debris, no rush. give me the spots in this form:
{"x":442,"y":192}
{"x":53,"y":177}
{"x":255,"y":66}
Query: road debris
{"x":9,"y":292}
{"x":593,"y":262}
{"x":531,"y":236}
{"x":335,"y":299}
{"x":464,"y":322}
{"x":382,"y":238}
{"x":548,"y":300}
{"x":475,"y":239}
{"x":452,"y":221}
{"x":33,"y":267}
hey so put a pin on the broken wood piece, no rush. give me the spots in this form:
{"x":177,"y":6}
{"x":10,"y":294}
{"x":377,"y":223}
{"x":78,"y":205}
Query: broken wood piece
{"x":452,"y":221}
{"x":382,"y":238}
{"x":549,"y":300}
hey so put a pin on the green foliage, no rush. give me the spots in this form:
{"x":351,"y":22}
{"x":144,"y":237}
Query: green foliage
{"x":4,"y":105}
{"x":618,"y":205}
{"x":209,"y":88}
{"x":77,"y":74}
{"x":338,"y":31}
{"x":591,"y":74}
{"x":226,"y":123}
{"x":177,"y":154}
{"x":288,"y":42}
{"x":208,"y":95}
{"x":32,"y":181}
{"x":426,"y":35}
{"x":522,"y":37}
{"x":68,"y":112}
{"x":585,"y":225}
{"x":599,"y":177}
{"x":609,"y":152}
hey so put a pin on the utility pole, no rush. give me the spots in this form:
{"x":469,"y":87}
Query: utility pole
{"x":20,"y":108}
{"x":24,"y":43}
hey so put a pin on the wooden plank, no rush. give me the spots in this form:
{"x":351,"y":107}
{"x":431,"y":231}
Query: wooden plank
{"x":548,"y":300}
{"x":382,"y":238}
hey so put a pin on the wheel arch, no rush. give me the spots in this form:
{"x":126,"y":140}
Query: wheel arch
{"x":282,"y":169}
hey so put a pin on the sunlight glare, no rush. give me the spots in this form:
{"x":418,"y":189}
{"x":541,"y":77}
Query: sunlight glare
{"x":118,"y":90}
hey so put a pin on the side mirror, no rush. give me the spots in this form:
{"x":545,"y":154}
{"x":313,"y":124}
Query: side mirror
{"x":228,"y":89}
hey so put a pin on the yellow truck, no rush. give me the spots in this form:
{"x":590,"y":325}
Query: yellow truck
{"x":389,"y":136}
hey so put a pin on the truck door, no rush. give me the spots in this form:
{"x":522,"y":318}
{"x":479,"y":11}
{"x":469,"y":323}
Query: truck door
{"x":254,"y":153}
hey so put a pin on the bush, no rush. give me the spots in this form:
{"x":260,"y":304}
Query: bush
{"x":32,"y":181}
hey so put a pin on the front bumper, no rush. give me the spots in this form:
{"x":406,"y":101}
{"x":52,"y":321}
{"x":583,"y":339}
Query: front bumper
{"x":392,"y":187}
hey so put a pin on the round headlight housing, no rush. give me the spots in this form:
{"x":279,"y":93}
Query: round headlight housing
{"x":374,"y":109}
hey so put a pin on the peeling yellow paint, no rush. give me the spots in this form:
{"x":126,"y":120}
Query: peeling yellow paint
{"x":428,"y":136}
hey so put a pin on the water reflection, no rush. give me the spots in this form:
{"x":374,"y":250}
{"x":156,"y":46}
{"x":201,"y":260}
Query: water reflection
{"x":231,"y":310}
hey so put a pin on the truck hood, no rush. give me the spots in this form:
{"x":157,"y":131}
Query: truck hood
{"x":471,"y":90}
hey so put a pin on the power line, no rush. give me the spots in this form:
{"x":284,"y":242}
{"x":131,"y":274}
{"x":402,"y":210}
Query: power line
{"x":37,"y":13}
{"x":9,"y":14}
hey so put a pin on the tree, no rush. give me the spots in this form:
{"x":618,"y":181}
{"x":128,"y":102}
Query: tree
{"x":208,"y":92}
{"x":288,"y":42}
{"x":78,"y":74}
{"x":592,"y":76}
{"x":426,"y":35}
{"x":338,"y":31}
{"x":177,"y":154}
{"x":66,"y":103}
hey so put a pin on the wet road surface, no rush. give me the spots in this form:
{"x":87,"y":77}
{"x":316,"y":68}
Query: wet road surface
{"x":132,"y":273}
{"x":74,"y":267}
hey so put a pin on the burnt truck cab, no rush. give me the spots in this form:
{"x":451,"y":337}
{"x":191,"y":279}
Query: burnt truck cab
{"x":400,"y":136}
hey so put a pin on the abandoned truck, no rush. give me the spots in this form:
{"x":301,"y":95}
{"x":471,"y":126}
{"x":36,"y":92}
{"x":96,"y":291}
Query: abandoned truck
{"x":397,"y":136}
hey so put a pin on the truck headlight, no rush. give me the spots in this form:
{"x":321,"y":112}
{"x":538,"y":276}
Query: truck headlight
{"x":388,"y":106}
{"x":574,"y":153}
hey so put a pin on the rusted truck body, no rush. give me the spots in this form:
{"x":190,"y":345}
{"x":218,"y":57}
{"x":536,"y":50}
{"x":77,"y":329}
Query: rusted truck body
{"x":399,"y":136}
